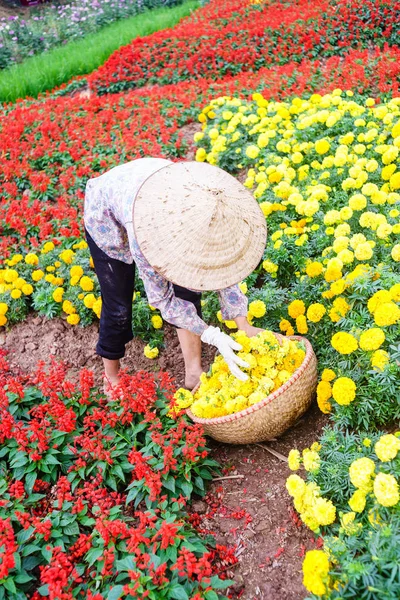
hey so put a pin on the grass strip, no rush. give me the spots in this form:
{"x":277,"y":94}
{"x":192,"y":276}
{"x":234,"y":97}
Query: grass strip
{"x":55,"y":67}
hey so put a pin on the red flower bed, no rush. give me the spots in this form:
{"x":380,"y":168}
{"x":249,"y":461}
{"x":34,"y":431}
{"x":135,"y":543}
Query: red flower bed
{"x":52,"y":146}
{"x":248,"y":38}
{"x":93,"y":492}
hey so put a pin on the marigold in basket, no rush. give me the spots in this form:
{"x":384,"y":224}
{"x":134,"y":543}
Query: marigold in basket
{"x":271,"y":364}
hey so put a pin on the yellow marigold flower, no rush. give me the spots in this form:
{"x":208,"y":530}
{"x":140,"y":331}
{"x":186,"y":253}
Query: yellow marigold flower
{"x":284,"y":325}
{"x":387,"y":447}
{"x":15,"y":294}
{"x":386,"y":489}
{"x":344,"y":342}
{"x":294,"y":460}
{"x":328,"y":375}
{"x":37,"y":275}
{"x":324,"y":392}
{"x":361,"y":471}
{"x":324,"y":511}
{"x":295,"y":485}
{"x":68,"y":307}
{"x":67,"y":256}
{"x":50,"y":269}
{"x":58,"y":294}
{"x":48,"y":247}
{"x":243,"y":287}
{"x":322,"y":146}
{"x":252,"y":151}
{"x":73,"y":319}
{"x":150,"y":352}
{"x":27,"y":289}
{"x":76,"y":271}
{"x":157,"y":322}
{"x":89,"y":300}
{"x":357,"y":501}
{"x":358,"y":202}
{"x":380,"y":297}
{"x":3,"y":308}
{"x":257,"y":308}
{"x":10,"y":275}
{"x":316,"y":572}
{"x":201,"y":153}
{"x":31,"y":259}
{"x":387,"y":314}
{"x":315,"y":312}
{"x":3,"y":320}
{"x":97,"y":304}
{"x":395,"y":292}
{"x":379,"y":359}
{"x":296,"y":308}
{"x":344,"y":390}
{"x":49,"y":278}
{"x":86,"y":284}
{"x":270,"y":267}
{"x":314,"y":269}
{"x":372,"y":339}
{"x":395,"y":253}
{"x":301,"y":324}
{"x":311,"y":460}
{"x":363,"y":252}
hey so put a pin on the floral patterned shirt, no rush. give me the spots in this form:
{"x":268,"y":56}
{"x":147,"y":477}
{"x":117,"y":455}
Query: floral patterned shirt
{"x":108,"y":219}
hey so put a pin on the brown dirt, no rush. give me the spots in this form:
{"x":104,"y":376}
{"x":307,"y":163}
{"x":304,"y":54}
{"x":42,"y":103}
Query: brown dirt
{"x":269,"y":539}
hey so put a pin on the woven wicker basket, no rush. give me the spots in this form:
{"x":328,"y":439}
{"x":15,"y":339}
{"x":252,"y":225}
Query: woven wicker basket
{"x":273,"y":415}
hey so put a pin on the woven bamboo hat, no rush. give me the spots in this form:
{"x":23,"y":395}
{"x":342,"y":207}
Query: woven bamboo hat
{"x":198,"y":226}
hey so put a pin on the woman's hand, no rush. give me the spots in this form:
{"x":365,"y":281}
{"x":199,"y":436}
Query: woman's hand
{"x":243,"y":324}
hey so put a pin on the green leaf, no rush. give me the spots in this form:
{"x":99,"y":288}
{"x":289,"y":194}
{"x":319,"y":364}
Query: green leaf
{"x":72,"y":529}
{"x":24,"y":535}
{"x":169,"y":483}
{"x":220,"y":584}
{"x":126,"y":564}
{"x":9,"y":585}
{"x":30,"y":479}
{"x":93,"y":555}
{"x":211,"y":595}
{"x":31,"y":562}
{"x":187,"y":488}
{"x":51,"y":460}
{"x":23,"y":578}
{"x":43,"y":590}
{"x":30,"y":549}
{"x":116,"y":592}
{"x":178,"y":593}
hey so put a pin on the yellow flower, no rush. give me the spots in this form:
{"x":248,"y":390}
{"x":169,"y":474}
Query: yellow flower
{"x":257,"y":308}
{"x":311,"y":460}
{"x":380,"y":297}
{"x":68,"y":307}
{"x":3,"y":308}
{"x":296,"y":308}
{"x":89,"y":300}
{"x":31,"y":259}
{"x":386,"y":489}
{"x":37,"y":275}
{"x":387,"y":314}
{"x":73,"y":319}
{"x":387,"y":447}
{"x":315,"y":572}
{"x":243,"y":287}
{"x":344,"y":390}
{"x":67,"y":256}
{"x":357,"y":501}
{"x":344,"y":342}
{"x":361,"y":471}
{"x":76,"y":271}
{"x":97,"y":304}
{"x":294,"y":460}
{"x":86,"y":284}
{"x":328,"y":375}
{"x":315,"y":312}
{"x":58,"y":294}
{"x":363,"y":252}
{"x":252,"y":151}
{"x":150,"y":352}
{"x":48,"y":247}
{"x":395,"y":253}
{"x":379,"y":359}
{"x":395,"y":292}
{"x":301,"y":324}
{"x":27,"y":289}
{"x":3,"y":320}
{"x":372,"y":339}
{"x":314,"y":269}
{"x":322,"y":146}
{"x":201,"y":153}
{"x":15,"y":294}
{"x":324,"y":392}
{"x":157,"y":322}
{"x":10,"y":275}
{"x":295,"y":485}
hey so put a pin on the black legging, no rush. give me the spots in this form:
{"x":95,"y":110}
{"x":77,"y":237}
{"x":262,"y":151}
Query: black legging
{"x":117,"y":280}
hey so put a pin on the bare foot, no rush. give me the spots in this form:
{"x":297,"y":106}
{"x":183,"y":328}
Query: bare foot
{"x":110,"y":383}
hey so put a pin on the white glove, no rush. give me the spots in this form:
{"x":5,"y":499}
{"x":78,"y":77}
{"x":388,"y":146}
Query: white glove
{"x":226,"y":346}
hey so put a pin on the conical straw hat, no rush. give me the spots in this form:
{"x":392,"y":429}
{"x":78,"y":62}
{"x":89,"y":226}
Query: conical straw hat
{"x":198,"y":226}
